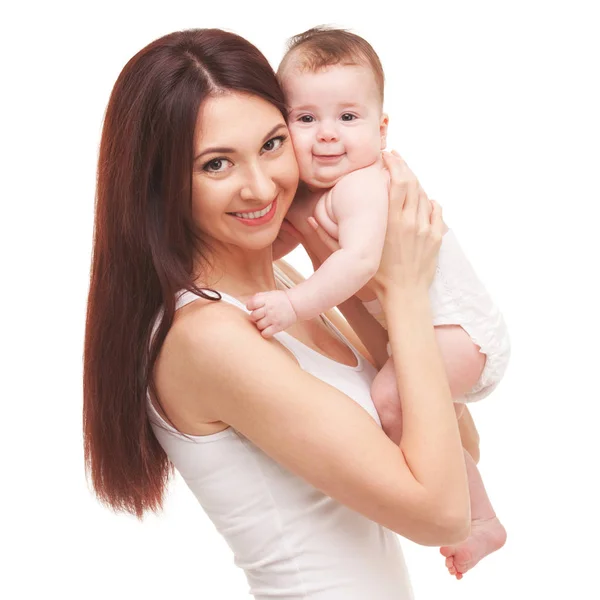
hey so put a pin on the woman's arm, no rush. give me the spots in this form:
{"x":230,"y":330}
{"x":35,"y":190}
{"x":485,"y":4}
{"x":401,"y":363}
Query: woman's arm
{"x":407,"y":266}
{"x":418,"y":489}
{"x":319,"y":433}
{"x":468,"y":431}
{"x":463,"y":360}
{"x":470,"y":330}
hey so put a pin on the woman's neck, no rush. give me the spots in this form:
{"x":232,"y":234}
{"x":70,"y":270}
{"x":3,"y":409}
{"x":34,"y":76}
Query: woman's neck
{"x":239,"y":275}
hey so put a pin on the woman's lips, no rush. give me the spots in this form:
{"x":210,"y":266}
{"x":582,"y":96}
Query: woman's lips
{"x":260,"y":220}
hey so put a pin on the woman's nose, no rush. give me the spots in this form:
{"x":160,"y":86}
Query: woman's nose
{"x":259,"y":185}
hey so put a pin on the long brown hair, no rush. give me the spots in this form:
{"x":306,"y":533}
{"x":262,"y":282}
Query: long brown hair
{"x":145,"y":245}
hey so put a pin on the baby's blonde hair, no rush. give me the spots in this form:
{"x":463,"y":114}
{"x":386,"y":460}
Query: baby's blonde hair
{"x":324,"y":46}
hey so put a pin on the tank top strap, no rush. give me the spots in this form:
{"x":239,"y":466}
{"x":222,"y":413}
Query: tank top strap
{"x":282,"y":277}
{"x":186,"y":296}
{"x":303,"y":353}
{"x":297,"y":348}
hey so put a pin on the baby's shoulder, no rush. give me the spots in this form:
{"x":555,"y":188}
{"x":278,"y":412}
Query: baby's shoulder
{"x":372,"y":175}
{"x":372,"y":180}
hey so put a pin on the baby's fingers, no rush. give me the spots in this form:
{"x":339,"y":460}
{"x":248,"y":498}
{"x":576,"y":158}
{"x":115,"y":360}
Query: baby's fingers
{"x":263,"y":323}
{"x":259,"y":313}
{"x":270,"y":331}
{"x":257,"y":301}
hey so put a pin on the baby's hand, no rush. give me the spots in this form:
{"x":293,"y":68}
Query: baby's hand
{"x":271,"y":312}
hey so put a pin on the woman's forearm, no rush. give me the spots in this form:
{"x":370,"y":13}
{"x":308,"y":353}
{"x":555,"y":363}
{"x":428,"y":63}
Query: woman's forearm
{"x":431,"y":440}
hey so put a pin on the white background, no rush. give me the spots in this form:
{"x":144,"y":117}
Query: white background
{"x":495,"y":106}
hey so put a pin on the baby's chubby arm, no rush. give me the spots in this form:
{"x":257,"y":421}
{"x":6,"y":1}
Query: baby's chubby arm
{"x":360,"y":206}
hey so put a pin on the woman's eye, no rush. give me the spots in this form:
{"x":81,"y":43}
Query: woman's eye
{"x":274,"y":143}
{"x":217,"y":165}
{"x":306,"y":119}
{"x":348,"y":117}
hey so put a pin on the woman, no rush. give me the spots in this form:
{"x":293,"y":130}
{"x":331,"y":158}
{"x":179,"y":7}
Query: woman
{"x":278,"y":439}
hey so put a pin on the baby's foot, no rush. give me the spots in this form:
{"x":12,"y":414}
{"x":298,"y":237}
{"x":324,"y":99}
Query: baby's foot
{"x":486,"y":537}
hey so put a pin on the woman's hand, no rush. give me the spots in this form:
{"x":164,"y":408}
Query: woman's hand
{"x":414,"y":231}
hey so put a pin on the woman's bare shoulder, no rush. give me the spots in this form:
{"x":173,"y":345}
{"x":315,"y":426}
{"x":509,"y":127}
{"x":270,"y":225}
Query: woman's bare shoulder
{"x":201,"y":334}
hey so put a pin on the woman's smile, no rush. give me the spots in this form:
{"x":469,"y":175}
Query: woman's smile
{"x":259,"y":217}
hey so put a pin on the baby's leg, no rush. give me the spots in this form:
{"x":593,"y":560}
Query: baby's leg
{"x":487,"y":533}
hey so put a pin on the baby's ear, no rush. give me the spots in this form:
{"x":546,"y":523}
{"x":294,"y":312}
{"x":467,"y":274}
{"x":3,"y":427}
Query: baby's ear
{"x":383,"y":127}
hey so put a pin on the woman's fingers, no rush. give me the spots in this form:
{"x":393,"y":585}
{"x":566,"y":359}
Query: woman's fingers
{"x":414,"y":231}
{"x":410,"y":210}
{"x":424,"y":211}
{"x":403,"y":186}
{"x":397,"y":166}
{"x":436,"y":219}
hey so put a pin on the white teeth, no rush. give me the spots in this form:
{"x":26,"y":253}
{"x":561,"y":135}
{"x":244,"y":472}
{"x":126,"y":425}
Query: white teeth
{"x":254,"y":215}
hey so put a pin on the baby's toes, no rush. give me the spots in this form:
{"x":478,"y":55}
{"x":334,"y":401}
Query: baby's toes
{"x":463,"y":560}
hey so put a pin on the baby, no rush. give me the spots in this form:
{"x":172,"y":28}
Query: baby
{"x":333,"y":82}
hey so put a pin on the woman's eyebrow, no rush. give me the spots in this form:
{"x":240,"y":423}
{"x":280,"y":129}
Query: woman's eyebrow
{"x":219,"y":150}
{"x":273,"y":131}
{"x":225,"y":150}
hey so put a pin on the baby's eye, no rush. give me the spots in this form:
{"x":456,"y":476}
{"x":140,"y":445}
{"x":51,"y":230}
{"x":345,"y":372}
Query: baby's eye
{"x":348,"y":117}
{"x":306,"y":119}
{"x":217,"y":165}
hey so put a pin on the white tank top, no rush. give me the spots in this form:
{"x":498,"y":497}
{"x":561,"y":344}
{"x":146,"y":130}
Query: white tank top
{"x":291,"y":540}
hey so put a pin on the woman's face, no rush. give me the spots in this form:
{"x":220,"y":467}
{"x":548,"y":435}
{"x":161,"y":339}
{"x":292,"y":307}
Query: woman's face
{"x":245,"y":173}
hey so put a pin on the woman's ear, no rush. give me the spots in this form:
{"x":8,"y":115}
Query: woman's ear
{"x":383,"y":127}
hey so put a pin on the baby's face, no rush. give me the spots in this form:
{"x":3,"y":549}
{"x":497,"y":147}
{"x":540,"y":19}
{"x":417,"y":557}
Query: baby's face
{"x":335,"y":121}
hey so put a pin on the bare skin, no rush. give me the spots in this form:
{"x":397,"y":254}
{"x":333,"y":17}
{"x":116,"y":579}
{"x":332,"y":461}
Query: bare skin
{"x":487,"y":533}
